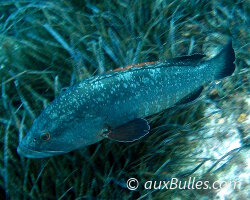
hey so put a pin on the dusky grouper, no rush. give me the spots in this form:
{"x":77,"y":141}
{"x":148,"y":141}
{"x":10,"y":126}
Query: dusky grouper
{"x":114,"y":105}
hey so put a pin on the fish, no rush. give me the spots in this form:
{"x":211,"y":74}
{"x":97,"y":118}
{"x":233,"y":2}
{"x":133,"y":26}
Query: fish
{"x":115,"y":105}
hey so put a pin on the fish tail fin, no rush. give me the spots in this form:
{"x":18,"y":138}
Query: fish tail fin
{"x":224,"y":62}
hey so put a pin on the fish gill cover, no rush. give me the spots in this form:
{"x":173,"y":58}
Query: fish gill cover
{"x":46,"y":46}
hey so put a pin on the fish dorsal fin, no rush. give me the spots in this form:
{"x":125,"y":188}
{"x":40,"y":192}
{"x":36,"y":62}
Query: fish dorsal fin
{"x":191,"y":60}
{"x":129,"y":132}
{"x":180,"y":61}
{"x":133,"y":66}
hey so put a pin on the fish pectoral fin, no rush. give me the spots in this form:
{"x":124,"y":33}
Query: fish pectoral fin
{"x":129,"y":132}
{"x":191,"y":97}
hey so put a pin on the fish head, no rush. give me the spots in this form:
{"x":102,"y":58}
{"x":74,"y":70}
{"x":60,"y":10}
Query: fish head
{"x":54,"y":136}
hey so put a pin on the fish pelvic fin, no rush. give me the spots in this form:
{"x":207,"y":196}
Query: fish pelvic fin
{"x":224,"y":62}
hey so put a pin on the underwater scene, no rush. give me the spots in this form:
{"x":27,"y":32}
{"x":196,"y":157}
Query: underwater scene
{"x":125,"y":99}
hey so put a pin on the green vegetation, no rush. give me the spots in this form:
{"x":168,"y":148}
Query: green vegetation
{"x":46,"y":46}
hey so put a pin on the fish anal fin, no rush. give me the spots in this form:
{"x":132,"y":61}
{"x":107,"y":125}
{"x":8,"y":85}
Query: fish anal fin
{"x":130,"y":131}
{"x":191,"y":97}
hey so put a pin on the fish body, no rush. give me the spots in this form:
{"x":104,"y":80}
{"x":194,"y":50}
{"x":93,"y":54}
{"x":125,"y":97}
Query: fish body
{"x":115,"y":104}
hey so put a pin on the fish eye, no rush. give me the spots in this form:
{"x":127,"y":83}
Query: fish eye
{"x":45,"y":136}
{"x":34,"y":140}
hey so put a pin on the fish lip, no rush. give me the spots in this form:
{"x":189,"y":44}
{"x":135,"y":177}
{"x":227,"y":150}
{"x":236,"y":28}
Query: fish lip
{"x":30,"y":153}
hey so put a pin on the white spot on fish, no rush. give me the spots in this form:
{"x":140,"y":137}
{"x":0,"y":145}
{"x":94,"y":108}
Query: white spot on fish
{"x":54,"y":115}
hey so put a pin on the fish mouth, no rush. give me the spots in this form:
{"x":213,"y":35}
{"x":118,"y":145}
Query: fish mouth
{"x":30,"y":153}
